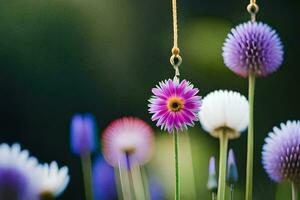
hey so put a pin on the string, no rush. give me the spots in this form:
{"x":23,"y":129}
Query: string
{"x":175,"y":58}
{"x":253,"y":8}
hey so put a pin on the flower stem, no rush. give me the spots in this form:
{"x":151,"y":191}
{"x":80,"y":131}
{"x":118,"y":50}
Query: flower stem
{"x":87,"y":176}
{"x":250,"y":140}
{"x":177,"y":174}
{"x":231,"y":191}
{"x":222,"y":165}
{"x":294,"y":191}
{"x":213,"y":195}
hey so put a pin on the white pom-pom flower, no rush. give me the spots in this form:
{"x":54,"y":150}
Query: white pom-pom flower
{"x":54,"y":180}
{"x":224,"y":110}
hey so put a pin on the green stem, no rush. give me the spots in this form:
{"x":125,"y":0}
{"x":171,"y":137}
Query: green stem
{"x":222,"y":165}
{"x":250,"y":140}
{"x":294,"y":191}
{"x":231,"y":191}
{"x":177,"y":174}
{"x":87,"y":176}
{"x":213,"y":195}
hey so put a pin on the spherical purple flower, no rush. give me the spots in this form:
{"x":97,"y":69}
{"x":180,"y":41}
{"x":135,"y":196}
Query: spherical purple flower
{"x":83,"y":132}
{"x":253,"y":47}
{"x":281,"y":152}
{"x":175,"y":104}
{"x":104,"y":183}
{"x":127,"y":141}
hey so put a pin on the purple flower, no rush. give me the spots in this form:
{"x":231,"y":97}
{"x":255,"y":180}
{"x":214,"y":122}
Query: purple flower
{"x":253,"y":46}
{"x":175,"y":104}
{"x":127,"y":141}
{"x":104,"y":181}
{"x":83,"y":132}
{"x":232,"y":172}
{"x":212,"y":183}
{"x":281,"y":152}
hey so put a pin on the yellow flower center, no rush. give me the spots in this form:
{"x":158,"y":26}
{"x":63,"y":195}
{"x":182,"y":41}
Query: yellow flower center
{"x":175,"y":104}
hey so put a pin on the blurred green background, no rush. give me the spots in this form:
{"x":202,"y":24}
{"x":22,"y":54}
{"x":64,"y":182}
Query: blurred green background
{"x":60,"y":57}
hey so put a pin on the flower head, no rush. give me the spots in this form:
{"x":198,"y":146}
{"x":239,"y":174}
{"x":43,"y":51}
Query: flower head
{"x":83,"y":131}
{"x":174,"y":104}
{"x":281,"y":152}
{"x":253,"y":47}
{"x":104,"y":180}
{"x":232,"y":172}
{"x":224,"y":109}
{"x":127,"y":141}
{"x":53,"y":180}
{"x":212,"y":183}
{"x":18,"y":173}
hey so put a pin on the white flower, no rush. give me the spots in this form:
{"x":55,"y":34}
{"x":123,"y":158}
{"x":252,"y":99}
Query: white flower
{"x":21,"y":170}
{"x":224,"y":110}
{"x":53,"y":180}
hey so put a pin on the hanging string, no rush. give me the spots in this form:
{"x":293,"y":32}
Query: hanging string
{"x":175,"y":59}
{"x":253,"y":9}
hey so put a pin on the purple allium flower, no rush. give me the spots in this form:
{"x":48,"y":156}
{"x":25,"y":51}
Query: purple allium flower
{"x":83,"y":132}
{"x":281,"y":152}
{"x":253,"y":46}
{"x":232,"y":172}
{"x":127,"y":141}
{"x":104,"y":183}
{"x":212,"y":183}
{"x":174,"y":105}
{"x":18,"y":174}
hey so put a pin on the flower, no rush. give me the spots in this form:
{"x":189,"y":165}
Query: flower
{"x":253,"y":47}
{"x":104,"y":180}
{"x":281,"y":152}
{"x":224,"y":110}
{"x":53,"y":180}
{"x":212,"y":183}
{"x":174,"y":104}
{"x":127,"y":141}
{"x":83,"y":131}
{"x":18,"y":173}
{"x":232,"y":172}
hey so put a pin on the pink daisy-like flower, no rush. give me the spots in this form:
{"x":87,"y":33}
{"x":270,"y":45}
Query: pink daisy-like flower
{"x":174,"y":104}
{"x":127,"y":141}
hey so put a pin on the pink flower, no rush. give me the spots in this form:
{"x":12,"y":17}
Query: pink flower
{"x":174,"y":105}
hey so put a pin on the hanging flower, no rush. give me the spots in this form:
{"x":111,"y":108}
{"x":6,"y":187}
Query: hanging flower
{"x":281,"y":152}
{"x":53,"y":180}
{"x":127,"y":141}
{"x":83,"y":132}
{"x":232,"y":171}
{"x":253,"y":47}
{"x":104,"y":183}
{"x":18,"y":173}
{"x":174,"y":104}
{"x":224,"y":109}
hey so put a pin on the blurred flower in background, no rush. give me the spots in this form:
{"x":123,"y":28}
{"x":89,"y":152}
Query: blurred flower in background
{"x":232,"y":171}
{"x":174,"y":104}
{"x":104,"y":181}
{"x":83,"y":134}
{"x":253,"y":46}
{"x":127,"y":141}
{"x":55,"y":180}
{"x":212,"y":183}
{"x":23,"y":178}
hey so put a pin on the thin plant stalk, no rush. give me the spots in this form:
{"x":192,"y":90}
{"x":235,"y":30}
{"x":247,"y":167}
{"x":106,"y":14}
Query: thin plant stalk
{"x":137,"y":181}
{"x":294,"y":191}
{"x":118,"y":182}
{"x":231,"y":192}
{"x":87,"y":176}
{"x":250,"y":140}
{"x":177,"y":169}
{"x":222,"y":165}
{"x":125,"y":182}
{"x":213,"y":196}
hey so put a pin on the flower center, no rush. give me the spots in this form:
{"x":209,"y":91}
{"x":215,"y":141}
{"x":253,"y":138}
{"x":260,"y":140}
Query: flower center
{"x":175,"y":104}
{"x":47,"y":196}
